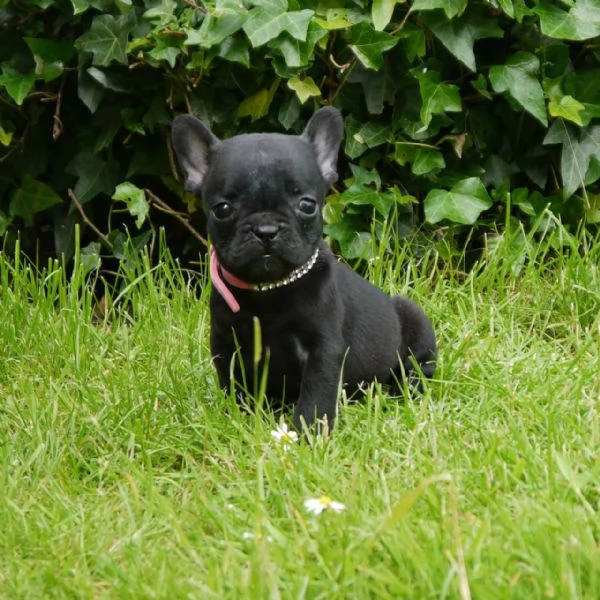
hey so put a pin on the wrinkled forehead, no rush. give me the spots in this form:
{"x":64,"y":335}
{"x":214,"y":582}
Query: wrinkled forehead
{"x":246,"y":159}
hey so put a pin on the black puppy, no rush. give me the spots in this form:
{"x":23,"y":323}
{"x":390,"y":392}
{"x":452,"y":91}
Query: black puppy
{"x":263,"y":197}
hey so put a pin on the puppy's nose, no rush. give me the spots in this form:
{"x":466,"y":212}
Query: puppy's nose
{"x":266,"y":233}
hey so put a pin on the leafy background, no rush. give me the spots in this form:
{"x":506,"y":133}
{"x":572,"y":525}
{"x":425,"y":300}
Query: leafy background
{"x":462,"y":117}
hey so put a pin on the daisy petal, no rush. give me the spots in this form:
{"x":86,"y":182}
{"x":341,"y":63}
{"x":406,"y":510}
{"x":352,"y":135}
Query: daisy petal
{"x":284,"y":436}
{"x":314,"y":505}
{"x":337,"y":506}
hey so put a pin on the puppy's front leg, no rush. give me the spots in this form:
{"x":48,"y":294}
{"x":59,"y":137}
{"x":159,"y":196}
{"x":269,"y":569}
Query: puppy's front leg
{"x":319,"y":387}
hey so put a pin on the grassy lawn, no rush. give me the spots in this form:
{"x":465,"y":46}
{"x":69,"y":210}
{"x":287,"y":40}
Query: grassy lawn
{"x":126,"y":473}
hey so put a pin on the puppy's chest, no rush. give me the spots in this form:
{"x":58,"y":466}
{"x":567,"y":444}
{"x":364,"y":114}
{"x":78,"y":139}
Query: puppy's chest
{"x":282,"y":342}
{"x":287,"y":355}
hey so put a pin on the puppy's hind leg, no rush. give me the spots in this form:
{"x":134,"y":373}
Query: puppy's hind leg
{"x":418,"y":345}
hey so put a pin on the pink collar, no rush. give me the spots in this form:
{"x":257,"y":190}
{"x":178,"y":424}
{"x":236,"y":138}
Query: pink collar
{"x":217,"y":271}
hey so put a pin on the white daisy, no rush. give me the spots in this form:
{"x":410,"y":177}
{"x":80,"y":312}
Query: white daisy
{"x":249,"y":535}
{"x":318,"y":505}
{"x":284,"y":437}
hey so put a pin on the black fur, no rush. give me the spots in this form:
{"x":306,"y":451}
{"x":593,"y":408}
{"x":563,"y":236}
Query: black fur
{"x":257,"y":191}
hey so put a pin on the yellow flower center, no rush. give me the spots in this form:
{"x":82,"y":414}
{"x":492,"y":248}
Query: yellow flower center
{"x":325,"y":501}
{"x":286,"y":438}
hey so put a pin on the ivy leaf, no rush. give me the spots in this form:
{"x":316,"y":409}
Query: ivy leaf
{"x":338,"y":18}
{"x":566,"y":107}
{"x":90,"y":255}
{"x":110,"y":125}
{"x":135,"y":44}
{"x":5,"y":222}
{"x":291,"y":50}
{"x":295,"y":52}
{"x":90,"y":92}
{"x":132,"y":120}
{"x":5,"y":136}
{"x":17,"y":84}
{"x":80,"y":6}
{"x":64,"y":223}
{"x":381,"y":13}
{"x":519,"y":78}
{"x":49,"y":56}
{"x":362,"y":178}
{"x":373,"y":134}
{"x":463,"y":203}
{"x":424,"y":160}
{"x":297,"y":23}
{"x":257,"y":105}
{"x":305,"y":88}
{"x":498,"y":172}
{"x":135,"y":199}
{"x":278,"y":6}
{"x":289,"y":112}
{"x":587,"y":10}
{"x":583,"y":85}
{"x":368,"y":45}
{"x":113,"y":78}
{"x":363,"y":189}
{"x":264,"y":25}
{"x":95,"y":175}
{"x":378,"y":87}
{"x":126,"y":247}
{"x":162,"y":13}
{"x":353,"y":242}
{"x":106,"y":39}
{"x":436,"y":97}
{"x":215,"y":28}
{"x":31,"y":198}
{"x":581,"y":22}
{"x":450,"y":7}
{"x":577,"y":153}
{"x":165,"y":51}
{"x":507,"y":7}
{"x":412,"y":39}
{"x":481,"y":86}
{"x":352,"y":147}
{"x":51,"y":49}
{"x":459,"y":35}
{"x":382,"y":202}
{"x":235,"y":49}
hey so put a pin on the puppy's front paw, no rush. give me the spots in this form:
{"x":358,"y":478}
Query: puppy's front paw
{"x":310,"y":418}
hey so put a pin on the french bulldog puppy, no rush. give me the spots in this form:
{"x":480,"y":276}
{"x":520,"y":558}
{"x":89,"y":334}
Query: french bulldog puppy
{"x":263,"y":197}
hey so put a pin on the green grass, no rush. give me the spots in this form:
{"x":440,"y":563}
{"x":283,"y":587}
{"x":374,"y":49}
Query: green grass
{"x":126,"y":473}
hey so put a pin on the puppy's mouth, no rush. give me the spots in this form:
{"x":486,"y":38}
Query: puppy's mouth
{"x":269,"y":261}
{"x":264,"y":263}
{"x":266,"y":266}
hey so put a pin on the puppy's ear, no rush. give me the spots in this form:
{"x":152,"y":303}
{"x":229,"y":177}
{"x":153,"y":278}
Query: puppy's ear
{"x":192,"y":141}
{"x":325,"y":131}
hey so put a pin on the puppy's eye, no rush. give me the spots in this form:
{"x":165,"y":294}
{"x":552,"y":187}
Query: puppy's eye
{"x":307,"y":206}
{"x":222,"y":210}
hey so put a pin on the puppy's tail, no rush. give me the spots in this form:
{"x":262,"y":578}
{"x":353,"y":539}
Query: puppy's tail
{"x":418,"y":342}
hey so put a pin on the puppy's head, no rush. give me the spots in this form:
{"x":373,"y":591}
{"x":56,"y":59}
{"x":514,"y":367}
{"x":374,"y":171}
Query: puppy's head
{"x":262,"y":193}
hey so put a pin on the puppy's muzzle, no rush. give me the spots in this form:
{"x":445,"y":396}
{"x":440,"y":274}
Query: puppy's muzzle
{"x":266,"y":233}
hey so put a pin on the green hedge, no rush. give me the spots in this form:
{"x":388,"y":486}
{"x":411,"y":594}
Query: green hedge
{"x":458,"y":113}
